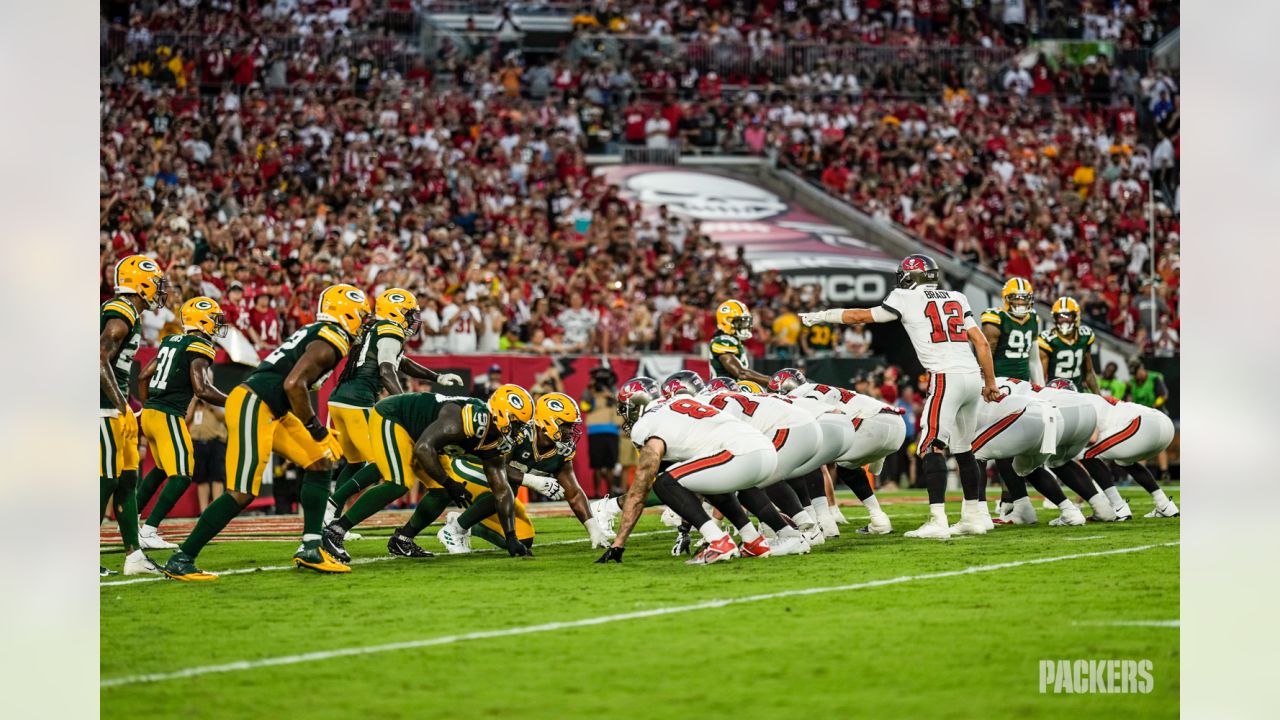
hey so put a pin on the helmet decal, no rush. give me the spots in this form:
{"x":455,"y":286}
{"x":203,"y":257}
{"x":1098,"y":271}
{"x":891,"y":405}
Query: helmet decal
{"x":355,"y":296}
{"x":555,"y":404}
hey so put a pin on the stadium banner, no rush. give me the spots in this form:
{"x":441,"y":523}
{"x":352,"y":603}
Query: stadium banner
{"x":539,"y":373}
{"x":773,"y":233}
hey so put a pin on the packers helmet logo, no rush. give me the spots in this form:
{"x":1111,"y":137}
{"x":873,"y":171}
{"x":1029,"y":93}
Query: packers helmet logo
{"x":396,"y":298}
{"x":355,"y":296}
{"x":516,"y":401}
{"x":203,"y":305}
{"x":148,"y":266}
{"x":726,"y":308}
{"x":555,"y":405}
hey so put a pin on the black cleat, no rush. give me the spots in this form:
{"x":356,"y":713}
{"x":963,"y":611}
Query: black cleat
{"x":104,"y":571}
{"x":331,"y":541}
{"x":402,"y":546}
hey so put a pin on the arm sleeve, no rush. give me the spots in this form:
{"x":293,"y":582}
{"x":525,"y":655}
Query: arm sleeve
{"x":884,"y":313}
{"x":389,"y":350}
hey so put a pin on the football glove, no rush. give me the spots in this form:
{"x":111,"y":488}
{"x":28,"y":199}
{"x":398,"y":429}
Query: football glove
{"x":831,"y":317}
{"x":515,"y":548}
{"x":448,"y":379}
{"x":611,"y":554}
{"x":457,"y":493}
{"x":683,"y":543}
{"x":544,"y":486}
{"x":598,"y":536}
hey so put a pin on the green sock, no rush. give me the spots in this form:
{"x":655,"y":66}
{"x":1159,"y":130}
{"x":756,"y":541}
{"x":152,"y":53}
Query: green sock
{"x":371,"y":502}
{"x":481,"y":507}
{"x":348,"y":482}
{"x":433,"y":503}
{"x":126,"y":506}
{"x":214,"y":518}
{"x":106,"y":487}
{"x":494,"y":538}
{"x":313,"y":496}
{"x":150,"y":483}
{"x":171,"y":494}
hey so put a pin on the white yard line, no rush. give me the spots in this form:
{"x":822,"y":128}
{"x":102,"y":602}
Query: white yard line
{"x":360,"y":561}
{"x":1070,"y":538}
{"x":601,"y":620}
{"x":1133,"y":623}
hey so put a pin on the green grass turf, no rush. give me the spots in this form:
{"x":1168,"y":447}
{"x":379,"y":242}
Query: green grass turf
{"x":954,"y":647}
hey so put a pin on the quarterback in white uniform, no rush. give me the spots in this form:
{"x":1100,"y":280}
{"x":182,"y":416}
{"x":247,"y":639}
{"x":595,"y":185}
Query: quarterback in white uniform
{"x":946,"y":340}
{"x":858,"y":429}
{"x":713,"y":454}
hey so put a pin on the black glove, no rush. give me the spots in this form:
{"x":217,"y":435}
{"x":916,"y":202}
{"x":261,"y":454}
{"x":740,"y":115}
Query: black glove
{"x":318,"y":431}
{"x":683,"y":543}
{"x":457,"y":493}
{"x":611,"y":554}
{"x":516,"y":548}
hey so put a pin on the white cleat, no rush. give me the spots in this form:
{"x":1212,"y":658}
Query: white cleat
{"x":813,"y":535}
{"x":973,"y":521}
{"x":149,"y":539}
{"x":1020,"y":512}
{"x":1071,"y":516}
{"x":789,"y":542}
{"x":138,"y":564}
{"x":1102,"y":510}
{"x":838,"y":516}
{"x":933,"y":529}
{"x":1168,"y":511}
{"x":1124,"y":512}
{"x":601,"y":510}
{"x":828,"y":523}
{"x":456,"y":540}
{"x":767,"y":532}
{"x":1048,"y":504}
{"x":985,"y":514}
{"x":670,"y":518}
{"x":879,"y":524}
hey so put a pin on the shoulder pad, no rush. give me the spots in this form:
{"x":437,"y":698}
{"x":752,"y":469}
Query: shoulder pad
{"x":203,"y":348}
{"x":1085,"y":330}
{"x":123,"y":309}
{"x":991,"y":316}
{"x":390,"y":329}
{"x":1047,"y":333}
{"x":475,"y":419}
{"x":334,"y":338}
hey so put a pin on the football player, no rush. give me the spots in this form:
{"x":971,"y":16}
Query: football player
{"x":180,"y":371}
{"x":1128,"y":434}
{"x":541,"y":460}
{"x":139,"y":284}
{"x":796,"y":438}
{"x":411,"y":435}
{"x":1065,"y":348}
{"x":270,"y":412}
{"x":1012,"y":332}
{"x":729,"y":356}
{"x":374,"y":366}
{"x":713,"y":453}
{"x":857,"y":430}
{"x":946,"y":339}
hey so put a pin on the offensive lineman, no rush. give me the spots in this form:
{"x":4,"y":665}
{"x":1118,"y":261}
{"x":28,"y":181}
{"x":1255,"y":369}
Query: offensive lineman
{"x":713,"y":453}
{"x":946,"y":339}
{"x":1066,"y":348}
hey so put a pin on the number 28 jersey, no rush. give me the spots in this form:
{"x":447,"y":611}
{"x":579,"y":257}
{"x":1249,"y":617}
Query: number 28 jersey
{"x":937,"y":322}
{"x":690,"y":429}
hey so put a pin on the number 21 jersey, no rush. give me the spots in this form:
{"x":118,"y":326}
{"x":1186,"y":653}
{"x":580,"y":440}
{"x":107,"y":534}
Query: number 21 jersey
{"x":937,"y":322}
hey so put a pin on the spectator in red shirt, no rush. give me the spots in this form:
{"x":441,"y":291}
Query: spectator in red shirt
{"x":264,"y":322}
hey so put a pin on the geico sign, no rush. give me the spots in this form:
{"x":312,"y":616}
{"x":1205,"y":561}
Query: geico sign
{"x":840,"y":286}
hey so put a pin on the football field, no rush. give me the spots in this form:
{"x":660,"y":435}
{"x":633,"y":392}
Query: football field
{"x":864,"y":625}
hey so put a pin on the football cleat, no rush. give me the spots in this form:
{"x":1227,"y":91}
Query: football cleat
{"x":879,"y":525}
{"x":813,"y":535}
{"x":1124,"y":512}
{"x":183,"y":567}
{"x":331,"y":539}
{"x":756,"y":548}
{"x":139,"y":564}
{"x":1019,"y":512}
{"x":837,"y":515}
{"x":402,"y":546}
{"x":828,"y":523}
{"x":933,"y":529}
{"x":456,"y":540}
{"x":319,"y":559}
{"x":671,"y":518}
{"x":104,"y":571}
{"x":1070,"y":517}
{"x":722,"y":549}
{"x":1167,"y":511}
{"x":1102,"y":510}
{"x":149,"y":539}
{"x":790,"y":542}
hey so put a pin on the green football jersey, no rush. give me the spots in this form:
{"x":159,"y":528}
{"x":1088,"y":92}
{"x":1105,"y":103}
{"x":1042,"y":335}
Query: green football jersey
{"x":1066,"y":359}
{"x":360,"y":383}
{"x":1017,"y":343}
{"x":723,"y":344}
{"x":120,"y":309}
{"x":170,"y":388}
{"x":415,"y":412}
{"x":526,"y":458}
{"x":267,"y":380}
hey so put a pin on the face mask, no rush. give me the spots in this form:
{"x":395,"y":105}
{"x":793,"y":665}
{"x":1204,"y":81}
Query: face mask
{"x":1065,"y":328}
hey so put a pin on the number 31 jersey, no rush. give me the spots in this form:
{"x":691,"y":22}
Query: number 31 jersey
{"x":937,"y":322}
{"x":690,"y":429}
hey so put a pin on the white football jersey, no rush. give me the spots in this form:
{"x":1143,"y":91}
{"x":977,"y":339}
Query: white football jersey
{"x":937,"y":322}
{"x":1060,"y":398}
{"x":846,"y":401}
{"x":766,"y":413}
{"x":691,"y":429}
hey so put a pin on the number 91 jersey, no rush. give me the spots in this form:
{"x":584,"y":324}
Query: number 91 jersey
{"x":937,"y":321}
{"x":689,"y":428}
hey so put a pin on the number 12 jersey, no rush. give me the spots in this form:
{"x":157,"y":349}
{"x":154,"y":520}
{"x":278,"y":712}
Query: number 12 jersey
{"x":937,"y":322}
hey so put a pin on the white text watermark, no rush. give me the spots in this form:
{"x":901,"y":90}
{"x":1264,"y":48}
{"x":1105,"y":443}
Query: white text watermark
{"x":1096,"y":676}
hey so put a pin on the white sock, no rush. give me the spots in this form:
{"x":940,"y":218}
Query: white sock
{"x":748,"y":533}
{"x":1160,"y":498}
{"x":872,"y":505}
{"x":938,"y":511}
{"x":982,"y":508}
{"x":611,"y":506}
{"x":804,"y":519}
{"x":1066,"y":506}
{"x":1023,"y":502}
{"x":821,"y":505}
{"x":136,"y":555}
{"x":1102,"y":507}
{"x":788,"y":532}
{"x":711,"y":531}
{"x":306,"y":537}
{"x":1113,"y":495}
{"x":148,"y":528}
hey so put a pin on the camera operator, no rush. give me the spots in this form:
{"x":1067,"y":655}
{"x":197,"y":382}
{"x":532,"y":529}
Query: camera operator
{"x":600,"y":410}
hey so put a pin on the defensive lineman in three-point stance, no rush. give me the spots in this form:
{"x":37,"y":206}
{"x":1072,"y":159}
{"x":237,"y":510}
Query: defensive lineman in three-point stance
{"x":942,"y":329}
